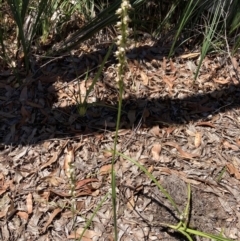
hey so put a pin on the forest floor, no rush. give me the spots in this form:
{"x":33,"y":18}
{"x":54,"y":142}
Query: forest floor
{"x":183,"y":131}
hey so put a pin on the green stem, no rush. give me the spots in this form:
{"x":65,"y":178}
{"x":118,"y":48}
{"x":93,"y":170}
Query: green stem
{"x":114,"y":196}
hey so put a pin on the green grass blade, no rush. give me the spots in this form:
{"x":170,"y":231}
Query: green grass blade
{"x":166,"y":19}
{"x":41,"y":8}
{"x":236,"y":45}
{"x":205,"y":235}
{"x":209,"y":36}
{"x":20,"y":11}
{"x":187,"y":13}
{"x":103,"y":19}
{"x":15,"y":7}
{"x":234,"y":16}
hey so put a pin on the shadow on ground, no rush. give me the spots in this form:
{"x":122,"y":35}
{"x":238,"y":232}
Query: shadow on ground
{"x":22,"y":122}
{"x":57,"y":122}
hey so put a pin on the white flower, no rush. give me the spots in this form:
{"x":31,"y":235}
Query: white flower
{"x":121,"y":50}
{"x":118,"y":42}
{"x":124,"y":4}
{"x":119,"y":37}
{"x":126,"y":20}
{"x":119,"y":24}
{"x":119,"y":11}
{"x":71,"y":192}
{"x":117,"y":53}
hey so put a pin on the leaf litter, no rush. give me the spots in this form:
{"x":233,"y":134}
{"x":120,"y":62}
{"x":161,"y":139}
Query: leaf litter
{"x":182,"y":131}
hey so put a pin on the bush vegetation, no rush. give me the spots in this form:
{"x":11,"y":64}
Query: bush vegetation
{"x":58,"y":26}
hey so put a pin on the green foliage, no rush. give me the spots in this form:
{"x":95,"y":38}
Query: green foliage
{"x":103,"y":19}
{"x":41,"y":20}
{"x":210,"y":32}
{"x":34,"y":21}
{"x":26,"y":16}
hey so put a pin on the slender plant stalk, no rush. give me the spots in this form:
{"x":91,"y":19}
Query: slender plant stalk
{"x":113,"y":175}
{"x":121,"y":43}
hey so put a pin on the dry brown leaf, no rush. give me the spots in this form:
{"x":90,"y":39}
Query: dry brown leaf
{"x":235,"y":80}
{"x":68,"y":160}
{"x":52,"y":160}
{"x":198,"y":108}
{"x":156,"y":150}
{"x":190,"y":133}
{"x":172,"y":67}
{"x":62,"y":95}
{"x":83,"y":89}
{"x":25,"y":113}
{"x":131,"y":203}
{"x":35,"y":105}
{"x":4,"y":185}
{"x":4,"y":204}
{"x":204,"y":123}
{"x":226,"y":144}
{"x":168,"y":82}
{"x":105,"y":169}
{"x":53,"y":180}
{"x":78,"y":145}
{"x":164,"y":64}
{"x":85,"y":192}
{"x":107,"y":154}
{"x":45,"y":195}
{"x":6,"y":114}
{"x":2,"y":85}
{"x":23,"y":215}
{"x":238,"y":141}
{"x":234,"y":62}
{"x":81,"y":183}
{"x":150,"y":169}
{"x":190,"y":55}
{"x":23,"y":96}
{"x":198,"y":139}
{"x":11,"y":209}
{"x":54,"y":157}
{"x":145,"y":114}
{"x":191,"y":66}
{"x":131,"y":116}
{"x":29,"y":203}
{"x":22,"y":152}
{"x":169,"y":130}
{"x":183,"y":154}
{"x":155,"y":130}
{"x":180,"y":174}
{"x":46,"y":144}
{"x":87,"y":236}
{"x":82,"y":189}
{"x":61,"y":193}
{"x":95,"y":193}
{"x":221,"y":81}
{"x":121,"y":132}
{"x":144,"y":78}
{"x":233,"y":170}
{"x":50,"y":219}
